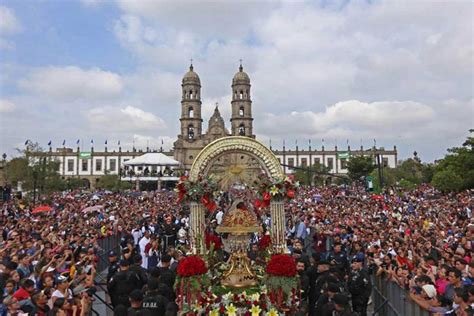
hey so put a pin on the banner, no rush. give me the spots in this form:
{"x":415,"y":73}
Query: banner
{"x":85,"y":155}
{"x":344,"y":154}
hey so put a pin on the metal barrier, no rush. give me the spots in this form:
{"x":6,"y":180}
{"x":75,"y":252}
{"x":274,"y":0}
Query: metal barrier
{"x":106,"y":245}
{"x":391,"y":300}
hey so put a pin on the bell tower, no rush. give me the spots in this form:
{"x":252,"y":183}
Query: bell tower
{"x":241,"y":120}
{"x":191,"y":121}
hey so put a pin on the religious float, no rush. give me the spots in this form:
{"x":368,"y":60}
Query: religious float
{"x":218,"y":277}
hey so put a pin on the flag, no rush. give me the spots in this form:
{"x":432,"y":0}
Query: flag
{"x":77,"y":143}
{"x":27,"y":141}
{"x":161,"y":141}
{"x":106,"y":141}
{"x":49,"y":144}
{"x":92,"y":141}
{"x":64,"y":142}
{"x":119,"y":143}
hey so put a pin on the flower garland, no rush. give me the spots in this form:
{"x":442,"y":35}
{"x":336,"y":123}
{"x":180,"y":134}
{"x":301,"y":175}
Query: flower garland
{"x":191,"y":280}
{"x":201,"y":191}
{"x":268,"y":189}
{"x":213,"y":241}
{"x":282,"y":280}
{"x":264,"y":243}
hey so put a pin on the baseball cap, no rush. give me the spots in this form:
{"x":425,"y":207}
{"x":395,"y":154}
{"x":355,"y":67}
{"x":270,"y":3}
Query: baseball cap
{"x":430,"y":290}
{"x":112,"y":254}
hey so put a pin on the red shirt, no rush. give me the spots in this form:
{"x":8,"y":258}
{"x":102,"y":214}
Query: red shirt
{"x":21,"y":294}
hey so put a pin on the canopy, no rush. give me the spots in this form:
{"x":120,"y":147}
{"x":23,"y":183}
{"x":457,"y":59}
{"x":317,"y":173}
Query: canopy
{"x":152,"y":159}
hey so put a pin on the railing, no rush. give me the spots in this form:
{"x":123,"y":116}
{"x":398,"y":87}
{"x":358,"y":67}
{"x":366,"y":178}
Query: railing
{"x":107,"y":244}
{"x":391,"y":300}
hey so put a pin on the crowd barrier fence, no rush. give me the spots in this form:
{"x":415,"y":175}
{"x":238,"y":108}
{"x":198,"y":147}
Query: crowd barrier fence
{"x":390,"y":299}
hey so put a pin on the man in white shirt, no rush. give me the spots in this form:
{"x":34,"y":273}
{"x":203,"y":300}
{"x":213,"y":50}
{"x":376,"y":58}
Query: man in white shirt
{"x":136,"y":233}
{"x":142,"y":244}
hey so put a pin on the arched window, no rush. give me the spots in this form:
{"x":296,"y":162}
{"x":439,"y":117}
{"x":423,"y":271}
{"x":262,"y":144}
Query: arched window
{"x":191,"y":112}
{"x":242,"y":130}
{"x":191,"y":94}
{"x":235,"y":94}
{"x":241,"y":111}
{"x":247,"y":95}
{"x":185,"y":94}
{"x":190,"y":131}
{"x":241,"y":95}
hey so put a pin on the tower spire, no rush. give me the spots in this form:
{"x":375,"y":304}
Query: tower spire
{"x":240,"y":67}
{"x":191,"y":65}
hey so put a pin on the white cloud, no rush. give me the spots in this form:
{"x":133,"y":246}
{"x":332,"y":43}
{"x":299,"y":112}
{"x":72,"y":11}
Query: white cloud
{"x":6,"y":106}
{"x":72,"y":82}
{"x":123,"y":119}
{"x":8,"y":22}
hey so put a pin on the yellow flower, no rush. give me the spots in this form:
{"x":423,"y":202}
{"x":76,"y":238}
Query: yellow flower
{"x":255,"y":297}
{"x":274,"y":190}
{"x":272,"y":312}
{"x":214,"y":312}
{"x":231,"y":310}
{"x":255,"y":310}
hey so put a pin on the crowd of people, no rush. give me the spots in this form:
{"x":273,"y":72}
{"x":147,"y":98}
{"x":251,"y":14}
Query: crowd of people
{"x":341,"y":237}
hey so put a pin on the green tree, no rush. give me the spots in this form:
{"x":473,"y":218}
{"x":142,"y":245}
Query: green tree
{"x":16,"y":170}
{"x":458,"y":166}
{"x":447,"y":180}
{"x":313,"y":175}
{"x":359,"y":167}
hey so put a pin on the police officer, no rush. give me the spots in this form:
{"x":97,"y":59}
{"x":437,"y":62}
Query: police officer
{"x":360,"y":287}
{"x":122,"y":284}
{"x":113,"y":265}
{"x":154,"y":303}
{"x":341,"y":306}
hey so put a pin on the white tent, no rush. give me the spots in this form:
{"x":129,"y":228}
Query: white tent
{"x":152,"y":159}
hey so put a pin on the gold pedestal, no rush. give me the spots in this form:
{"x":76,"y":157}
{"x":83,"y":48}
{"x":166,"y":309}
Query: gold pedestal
{"x":239,"y":274}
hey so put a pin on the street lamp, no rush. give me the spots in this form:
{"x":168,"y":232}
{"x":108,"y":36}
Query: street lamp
{"x":35,"y":177}
{"x":4,"y":156}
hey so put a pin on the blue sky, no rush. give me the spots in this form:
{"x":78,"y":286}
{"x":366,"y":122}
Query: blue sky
{"x":397,"y":71}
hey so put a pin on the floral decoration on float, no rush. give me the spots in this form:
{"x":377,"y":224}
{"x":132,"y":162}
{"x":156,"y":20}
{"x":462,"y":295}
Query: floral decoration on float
{"x":200,"y":191}
{"x":279,"y":189}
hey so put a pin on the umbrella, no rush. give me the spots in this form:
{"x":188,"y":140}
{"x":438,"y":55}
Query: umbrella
{"x":91,"y":209}
{"x":41,"y":209}
{"x":377,"y":197}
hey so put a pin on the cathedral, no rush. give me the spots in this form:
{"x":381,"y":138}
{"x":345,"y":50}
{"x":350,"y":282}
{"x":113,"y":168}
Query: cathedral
{"x":193,"y":138}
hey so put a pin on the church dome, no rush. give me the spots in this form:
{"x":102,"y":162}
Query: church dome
{"x":191,"y":76}
{"x":241,"y":76}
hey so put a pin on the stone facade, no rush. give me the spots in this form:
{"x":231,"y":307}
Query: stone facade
{"x":192,"y":139}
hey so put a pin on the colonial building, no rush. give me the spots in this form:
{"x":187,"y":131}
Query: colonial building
{"x":91,"y":165}
{"x":193,"y":138}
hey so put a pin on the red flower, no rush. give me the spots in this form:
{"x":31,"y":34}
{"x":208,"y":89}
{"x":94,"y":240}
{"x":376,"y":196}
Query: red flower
{"x":264,"y":242}
{"x":266,"y":196}
{"x":282,"y":265}
{"x":290,"y":194}
{"x":221,"y":309}
{"x":257,"y":203}
{"x":190,"y":266}
{"x":213,"y":239}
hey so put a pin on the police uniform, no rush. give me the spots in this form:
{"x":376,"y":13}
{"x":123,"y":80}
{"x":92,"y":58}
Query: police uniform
{"x":122,"y":284}
{"x":360,"y":288}
{"x":113,"y":267}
